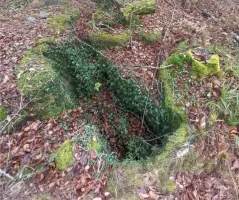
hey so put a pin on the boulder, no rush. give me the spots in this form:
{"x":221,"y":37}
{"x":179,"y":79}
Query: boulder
{"x":43,"y":15}
{"x":139,"y":8}
{"x":109,"y":40}
{"x":31,"y":20}
{"x":203,"y":62}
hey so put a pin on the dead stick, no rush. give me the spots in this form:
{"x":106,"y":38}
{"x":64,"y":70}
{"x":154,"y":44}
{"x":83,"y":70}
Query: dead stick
{"x":6,"y":174}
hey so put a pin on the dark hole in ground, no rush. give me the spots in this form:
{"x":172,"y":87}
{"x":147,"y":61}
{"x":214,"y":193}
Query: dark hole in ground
{"x":115,"y":104}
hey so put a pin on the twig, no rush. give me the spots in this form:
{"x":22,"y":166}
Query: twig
{"x":158,"y":63}
{"x":140,"y":119}
{"x":234,"y":182}
{"x":6,"y":174}
{"x":14,"y":116}
{"x":89,"y":45}
{"x":166,"y":31}
{"x":152,"y":67}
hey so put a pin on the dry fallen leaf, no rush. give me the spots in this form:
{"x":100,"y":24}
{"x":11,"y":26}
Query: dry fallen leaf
{"x":152,"y":195}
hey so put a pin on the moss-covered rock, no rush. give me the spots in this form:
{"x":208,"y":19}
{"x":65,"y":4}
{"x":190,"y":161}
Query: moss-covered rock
{"x":41,"y":85}
{"x":139,"y":8}
{"x":3,"y":113}
{"x":59,"y":23}
{"x":201,"y":69}
{"x":108,"y":17}
{"x":150,"y":38}
{"x":64,"y":156}
{"x":177,"y":114}
{"x":108,"y":40}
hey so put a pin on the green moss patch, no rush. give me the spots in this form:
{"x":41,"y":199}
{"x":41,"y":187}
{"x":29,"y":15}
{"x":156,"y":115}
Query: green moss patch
{"x":105,"y":17}
{"x":64,"y":156}
{"x":3,"y":113}
{"x":108,"y":40}
{"x":153,"y":171}
{"x":41,"y":85}
{"x":150,"y":38}
{"x":139,"y":8}
{"x":59,"y":23}
{"x":202,"y":69}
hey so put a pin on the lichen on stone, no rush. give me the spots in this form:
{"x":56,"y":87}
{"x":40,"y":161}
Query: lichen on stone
{"x":64,"y":156}
{"x":108,"y":40}
{"x":139,"y":8}
{"x":201,"y":69}
{"x":3,"y":113}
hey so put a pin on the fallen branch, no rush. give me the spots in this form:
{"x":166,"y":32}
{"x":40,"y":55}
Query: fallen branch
{"x":166,"y":31}
{"x":152,"y":67}
{"x":6,"y":174}
{"x":235,"y":36}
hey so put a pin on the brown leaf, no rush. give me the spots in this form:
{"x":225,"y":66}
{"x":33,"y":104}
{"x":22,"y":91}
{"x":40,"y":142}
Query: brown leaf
{"x":27,"y":129}
{"x":93,"y":154}
{"x":26,"y":148}
{"x":235,"y":165}
{"x":152,"y":195}
{"x":202,"y":122}
{"x":52,"y":184}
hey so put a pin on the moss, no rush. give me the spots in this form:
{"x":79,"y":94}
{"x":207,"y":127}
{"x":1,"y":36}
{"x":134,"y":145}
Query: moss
{"x":174,"y":142}
{"x":3,"y":113}
{"x":170,"y":186}
{"x":64,"y":156}
{"x":39,"y":81}
{"x":58,"y":22}
{"x":105,"y":17}
{"x":177,"y":114}
{"x":155,"y":170}
{"x":46,"y":40}
{"x":150,"y":38}
{"x":107,"y":40}
{"x":123,"y":184}
{"x":201,"y":70}
{"x":139,"y":8}
{"x":94,"y":145}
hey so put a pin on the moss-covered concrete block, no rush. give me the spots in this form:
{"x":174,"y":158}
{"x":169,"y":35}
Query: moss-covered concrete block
{"x":139,"y":8}
{"x":64,"y":156}
{"x":3,"y":113}
{"x":41,"y":85}
{"x":108,"y":40}
{"x":201,"y":69}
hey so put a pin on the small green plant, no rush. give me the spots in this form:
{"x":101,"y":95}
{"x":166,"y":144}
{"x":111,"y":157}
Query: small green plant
{"x":3,"y":113}
{"x":227,"y":106}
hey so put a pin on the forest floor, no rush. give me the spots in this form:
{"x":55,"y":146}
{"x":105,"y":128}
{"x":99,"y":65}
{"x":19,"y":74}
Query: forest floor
{"x":33,"y":142}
